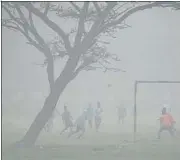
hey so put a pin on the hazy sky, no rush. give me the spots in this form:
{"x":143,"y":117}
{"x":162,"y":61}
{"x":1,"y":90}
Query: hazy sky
{"x":149,"y":50}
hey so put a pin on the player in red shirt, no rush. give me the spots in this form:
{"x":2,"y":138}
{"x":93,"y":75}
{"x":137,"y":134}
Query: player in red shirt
{"x":166,"y":123}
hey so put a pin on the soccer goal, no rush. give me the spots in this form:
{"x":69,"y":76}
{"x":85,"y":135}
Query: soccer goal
{"x":136,"y":84}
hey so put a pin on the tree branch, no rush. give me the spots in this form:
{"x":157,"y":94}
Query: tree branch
{"x":75,"y":6}
{"x":97,"y":7}
{"x":52,"y":25}
{"x":33,"y":30}
{"x":80,"y":68}
{"x":17,"y":20}
{"x":107,"y":20}
{"x":130,"y":12}
{"x":41,"y":46}
{"x":26,"y":25}
{"x":10,"y":27}
{"x":93,"y":31}
{"x":47,"y":8}
{"x":31,"y":20}
{"x":83,"y":14}
{"x":111,"y":69}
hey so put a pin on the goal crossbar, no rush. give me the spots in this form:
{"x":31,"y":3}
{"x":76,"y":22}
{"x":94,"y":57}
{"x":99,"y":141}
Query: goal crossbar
{"x":135,"y":99}
{"x":157,"y":82}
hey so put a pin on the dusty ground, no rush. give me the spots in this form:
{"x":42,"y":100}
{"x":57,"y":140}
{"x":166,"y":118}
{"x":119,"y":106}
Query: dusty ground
{"x":115,"y":144}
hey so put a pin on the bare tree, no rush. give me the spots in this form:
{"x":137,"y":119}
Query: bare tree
{"x":83,"y":45}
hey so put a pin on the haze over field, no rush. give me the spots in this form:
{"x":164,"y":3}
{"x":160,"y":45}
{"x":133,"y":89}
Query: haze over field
{"x":149,"y":50}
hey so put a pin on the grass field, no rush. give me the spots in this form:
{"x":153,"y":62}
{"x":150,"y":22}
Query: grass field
{"x":103,"y":145}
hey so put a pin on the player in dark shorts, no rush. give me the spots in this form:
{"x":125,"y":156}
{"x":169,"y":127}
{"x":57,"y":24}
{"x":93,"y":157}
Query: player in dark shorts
{"x":67,"y":120}
{"x":166,"y":123}
{"x":80,"y":125}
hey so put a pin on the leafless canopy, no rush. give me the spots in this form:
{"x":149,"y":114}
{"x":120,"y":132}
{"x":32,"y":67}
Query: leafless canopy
{"x":92,"y":21}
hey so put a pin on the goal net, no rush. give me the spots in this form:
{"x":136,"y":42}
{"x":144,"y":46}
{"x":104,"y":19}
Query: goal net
{"x":149,"y":99}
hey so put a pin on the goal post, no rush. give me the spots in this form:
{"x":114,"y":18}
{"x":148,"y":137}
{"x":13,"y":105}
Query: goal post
{"x":135,"y":98}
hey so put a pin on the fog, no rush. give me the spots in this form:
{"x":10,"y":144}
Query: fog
{"x":149,"y":50}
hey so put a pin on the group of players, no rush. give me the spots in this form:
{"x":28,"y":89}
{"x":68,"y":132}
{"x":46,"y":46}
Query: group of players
{"x":89,"y":114}
{"x":79,"y":125}
{"x":95,"y":115}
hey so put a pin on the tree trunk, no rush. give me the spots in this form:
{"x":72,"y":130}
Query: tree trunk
{"x":47,"y":110}
{"x":57,"y":89}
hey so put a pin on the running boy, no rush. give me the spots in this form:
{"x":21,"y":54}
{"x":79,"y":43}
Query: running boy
{"x":80,"y":125}
{"x":67,"y":120}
